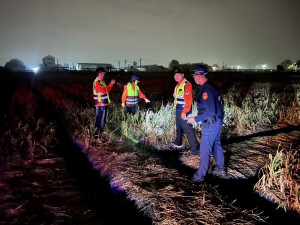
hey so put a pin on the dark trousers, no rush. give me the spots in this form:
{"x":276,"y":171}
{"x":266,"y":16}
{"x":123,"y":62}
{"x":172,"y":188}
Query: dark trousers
{"x":132,"y":110}
{"x":101,"y":113}
{"x":182,"y":125}
{"x":210,"y":142}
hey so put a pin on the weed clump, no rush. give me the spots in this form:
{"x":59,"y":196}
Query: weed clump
{"x":279,"y":179}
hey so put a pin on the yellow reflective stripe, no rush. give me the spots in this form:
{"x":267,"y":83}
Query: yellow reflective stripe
{"x":104,"y":96}
{"x":179,"y":94}
{"x":132,"y":92}
{"x":99,"y":96}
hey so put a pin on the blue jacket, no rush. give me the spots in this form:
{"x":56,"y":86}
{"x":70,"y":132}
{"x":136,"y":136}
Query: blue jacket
{"x":209,"y":103}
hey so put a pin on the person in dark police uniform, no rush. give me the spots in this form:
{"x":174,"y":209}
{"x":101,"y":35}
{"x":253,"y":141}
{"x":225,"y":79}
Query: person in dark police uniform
{"x":210,"y":114}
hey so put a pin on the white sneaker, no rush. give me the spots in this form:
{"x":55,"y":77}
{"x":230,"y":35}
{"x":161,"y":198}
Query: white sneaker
{"x":175,"y":146}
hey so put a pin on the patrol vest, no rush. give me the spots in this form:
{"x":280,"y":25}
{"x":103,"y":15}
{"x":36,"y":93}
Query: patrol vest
{"x":132,"y":95}
{"x":179,"y":99}
{"x":99,"y":97}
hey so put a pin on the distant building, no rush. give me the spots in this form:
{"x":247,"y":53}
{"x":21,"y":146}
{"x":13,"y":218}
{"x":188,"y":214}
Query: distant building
{"x":93,"y":66}
{"x":131,"y":69}
{"x":49,"y":62}
{"x":148,"y":68}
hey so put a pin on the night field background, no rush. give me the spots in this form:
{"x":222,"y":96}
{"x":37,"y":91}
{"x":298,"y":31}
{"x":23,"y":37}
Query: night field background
{"x":55,"y":171}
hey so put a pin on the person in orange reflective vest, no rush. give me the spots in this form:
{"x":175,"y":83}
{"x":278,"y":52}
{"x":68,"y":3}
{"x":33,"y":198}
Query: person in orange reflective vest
{"x":101,"y":99}
{"x":183,"y":99}
{"x":130,"y":95}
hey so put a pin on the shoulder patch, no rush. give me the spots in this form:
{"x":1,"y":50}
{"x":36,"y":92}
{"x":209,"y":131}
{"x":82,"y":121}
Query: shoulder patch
{"x":205,"y":96}
{"x":186,"y":93}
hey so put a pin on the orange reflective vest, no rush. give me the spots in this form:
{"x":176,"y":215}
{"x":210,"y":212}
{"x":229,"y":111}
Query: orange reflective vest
{"x":132,"y":95}
{"x":179,"y":102}
{"x":100,"y":97}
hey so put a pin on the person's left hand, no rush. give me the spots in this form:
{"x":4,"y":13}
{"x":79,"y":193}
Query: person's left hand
{"x":113,"y":81}
{"x":183,"y":115}
{"x":191,"y":120}
{"x":147,"y":100}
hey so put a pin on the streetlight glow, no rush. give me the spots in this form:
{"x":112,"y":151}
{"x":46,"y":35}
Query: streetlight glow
{"x":35,"y":69}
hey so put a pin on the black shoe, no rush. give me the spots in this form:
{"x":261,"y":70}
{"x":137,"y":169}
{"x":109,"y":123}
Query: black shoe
{"x":196,"y":182}
{"x":220,"y":174}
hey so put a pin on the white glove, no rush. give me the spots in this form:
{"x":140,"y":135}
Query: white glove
{"x":191,"y":120}
{"x":147,"y":101}
{"x":123,"y":105}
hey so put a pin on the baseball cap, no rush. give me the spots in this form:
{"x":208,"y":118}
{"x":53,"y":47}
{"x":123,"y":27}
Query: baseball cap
{"x":178,"y":71}
{"x":100,"y":70}
{"x":134,"y":77}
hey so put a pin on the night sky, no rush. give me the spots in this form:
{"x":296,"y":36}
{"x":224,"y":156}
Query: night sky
{"x":234,"y":32}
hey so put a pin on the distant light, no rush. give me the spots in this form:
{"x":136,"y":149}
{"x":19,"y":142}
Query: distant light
{"x":238,"y":67}
{"x":264,"y":66}
{"x":214,"y":68}
{"x":35,"y":69}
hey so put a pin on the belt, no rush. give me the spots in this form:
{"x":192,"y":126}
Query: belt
{"x":211,"y":120}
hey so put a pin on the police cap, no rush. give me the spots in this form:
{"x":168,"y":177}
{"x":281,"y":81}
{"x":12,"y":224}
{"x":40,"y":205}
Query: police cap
{"x":200,"y":70}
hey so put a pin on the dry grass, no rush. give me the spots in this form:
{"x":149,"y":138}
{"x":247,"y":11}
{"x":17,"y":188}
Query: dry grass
{"x":40,"y":191}
{"x":258,"y":110}
{"x":261,"y":108}
{"x":23,"y":131}
{"x":25,"y":139}
{"x":162,"y":193}
{"x":279,"y":179}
